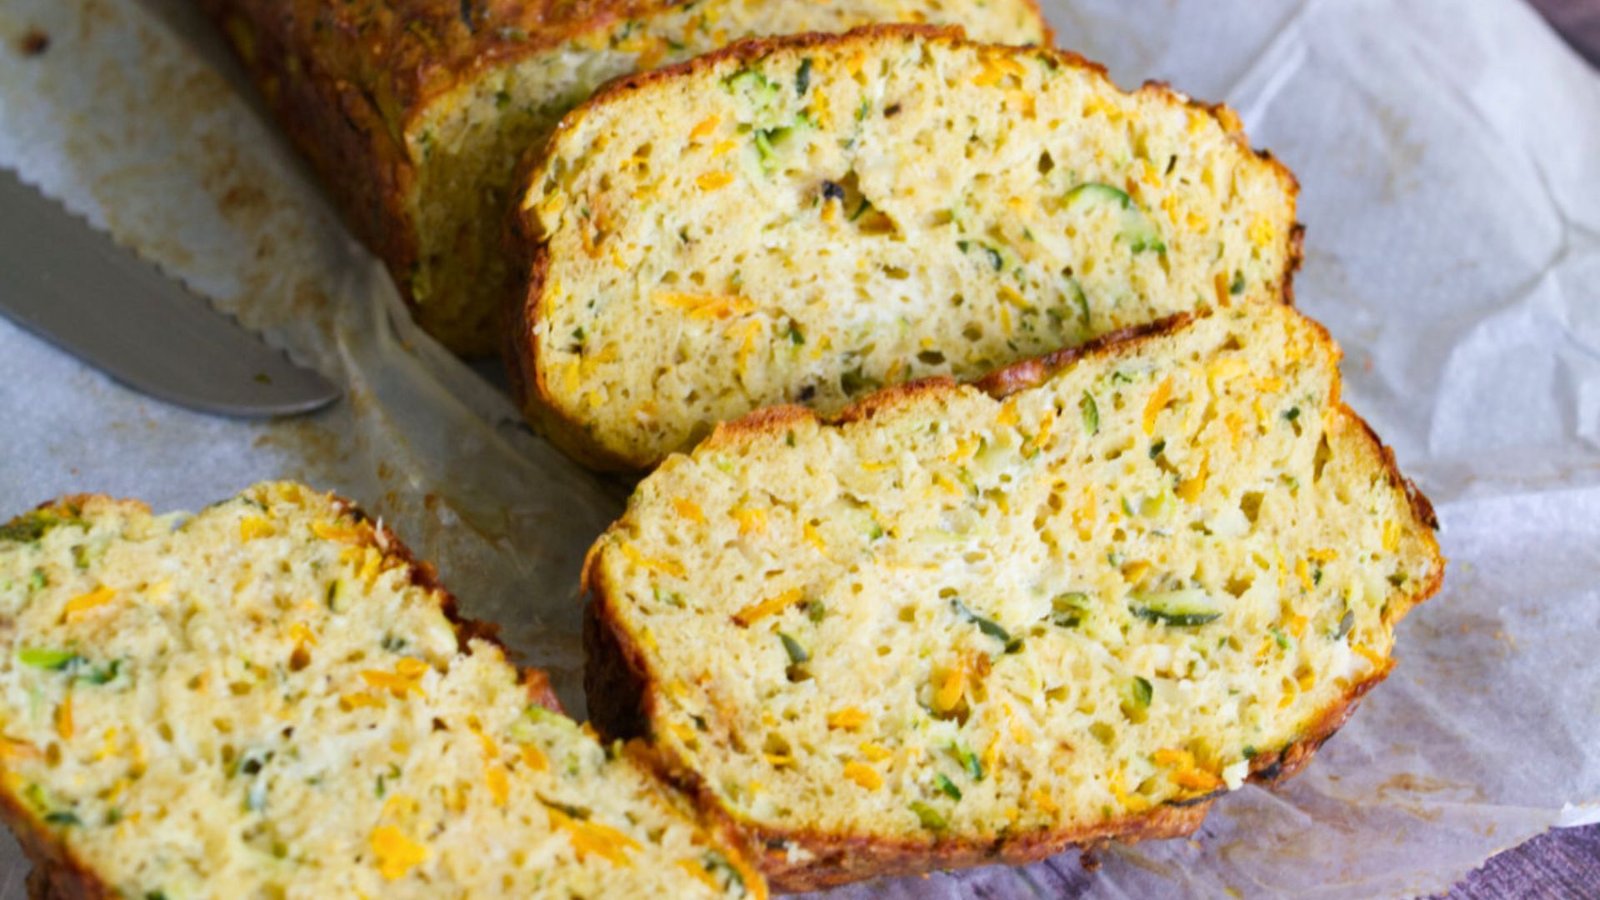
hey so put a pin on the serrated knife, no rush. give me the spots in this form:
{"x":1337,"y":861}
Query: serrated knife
{"x":68,"y":283}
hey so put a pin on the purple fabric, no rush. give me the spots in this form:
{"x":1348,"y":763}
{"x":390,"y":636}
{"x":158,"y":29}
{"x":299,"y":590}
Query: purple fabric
{"x":1558,"y":864}
{"x":1578,"y":21}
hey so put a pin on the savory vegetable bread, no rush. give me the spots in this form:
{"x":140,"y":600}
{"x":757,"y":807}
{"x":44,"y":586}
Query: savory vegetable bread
{"x":416,"y":113}
{"x":952,"y":627}
{"x":272,"y":699}
{"x":803,"y":220}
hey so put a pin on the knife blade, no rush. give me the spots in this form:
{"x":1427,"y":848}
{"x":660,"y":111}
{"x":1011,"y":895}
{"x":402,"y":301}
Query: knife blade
{"x":70,"y":284}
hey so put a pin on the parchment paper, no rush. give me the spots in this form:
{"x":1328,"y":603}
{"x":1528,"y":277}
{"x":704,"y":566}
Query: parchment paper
{"x":1449,"y":155}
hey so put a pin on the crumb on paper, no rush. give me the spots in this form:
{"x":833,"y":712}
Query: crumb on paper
{"x":35,"y":41}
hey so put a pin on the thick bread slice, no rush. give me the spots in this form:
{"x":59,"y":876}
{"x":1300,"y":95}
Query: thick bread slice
{"x":806,"y":219}
{"x":954,"y":627}
{"x":271,"y":699}
{"x":415,"y":113}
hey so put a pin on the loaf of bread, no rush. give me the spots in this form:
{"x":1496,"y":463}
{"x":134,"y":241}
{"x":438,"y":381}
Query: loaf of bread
{"x":804,"y":220}
{"x":416,"y":113}
{"x":272,"y":699}
{"x":959,"y":625}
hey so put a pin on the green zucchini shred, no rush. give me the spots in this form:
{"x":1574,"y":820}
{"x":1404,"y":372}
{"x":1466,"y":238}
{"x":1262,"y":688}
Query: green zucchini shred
{"x":931,"y":818}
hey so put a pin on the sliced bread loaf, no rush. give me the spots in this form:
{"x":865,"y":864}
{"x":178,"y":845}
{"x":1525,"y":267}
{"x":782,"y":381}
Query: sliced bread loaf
{"x":416,"y":113}
{"x":804,"y":220}
{"x":272,"y":699}
{"x":954,"y":627}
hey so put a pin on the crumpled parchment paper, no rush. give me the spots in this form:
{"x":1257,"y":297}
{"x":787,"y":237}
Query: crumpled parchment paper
{"x":1449,"y":156}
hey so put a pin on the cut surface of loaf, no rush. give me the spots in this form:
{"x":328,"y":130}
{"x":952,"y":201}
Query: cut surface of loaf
{"x":804,"y":220}
{"x":956,"y":627}
{"x":271,"y":699}
{"x":416,"y":113}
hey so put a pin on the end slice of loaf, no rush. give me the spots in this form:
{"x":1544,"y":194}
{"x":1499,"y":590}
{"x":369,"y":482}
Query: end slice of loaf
{"x":807,"y":219}
{"x":417,"y":114}
{"x":954,"y":627}
{"x":271,"y":698}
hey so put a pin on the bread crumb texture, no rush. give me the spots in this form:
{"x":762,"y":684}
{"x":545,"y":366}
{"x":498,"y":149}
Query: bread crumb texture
{"x":954,"y":620}
{"x":466,"y":141}
{"x":812,"y":218}
{"x":267,"y":699}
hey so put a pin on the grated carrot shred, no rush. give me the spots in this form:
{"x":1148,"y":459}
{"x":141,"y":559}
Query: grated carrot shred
{"x":1157,"y":402}
{"x":875,"y":752}
{"x":1044,"y":802}
{"x":395,"y":853}
{"x":751,"y":519}
{"x":706,"y":306}
{"x":1376,"y":659}
{"x":360,"y":699}
{"x":705,"y":127}
{"x":949,"y":687}
{"x":694,"y":868}
{"x":813,"y":537}
{"x":83,"y":603}
{"x":64,"y":726}
{"x":534,"y":758}
{"x":494,"y":775}
{"x":1189,"y":489}
{"x":589,"y":837}
{"x":689,"y":510}
{"x":654,"y":564}
{"x":864,"y":775}
{"x":849,"y":718}
{"x":744,"y":617}
{"x":712,"y":181}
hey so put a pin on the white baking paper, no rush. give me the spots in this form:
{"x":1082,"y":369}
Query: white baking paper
{"x":1449,"y":156}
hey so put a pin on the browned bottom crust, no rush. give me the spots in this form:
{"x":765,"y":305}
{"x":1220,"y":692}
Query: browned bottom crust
{"x":59,"y":875}
{"x":622,"y":698}
{"x":621,"y":701}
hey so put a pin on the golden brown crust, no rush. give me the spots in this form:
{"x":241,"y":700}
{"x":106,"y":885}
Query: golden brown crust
{"x":300,"y":56}
{"x":614,"y":688}
{"x":425,"y":577}
{"x":530,"y":390}
{"x":841,"y":859}
{"x":58,"y":874}
{"x":522,"y":356}
{"x":403,"y":53}
{"x":1421,"y":506}
{"x":623,"y":699}
{"x":1034,"y":372}
{"x":755,"y":48}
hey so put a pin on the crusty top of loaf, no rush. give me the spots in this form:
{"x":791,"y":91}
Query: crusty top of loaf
{"x":271,"y":697}
{"x":402,"y":53}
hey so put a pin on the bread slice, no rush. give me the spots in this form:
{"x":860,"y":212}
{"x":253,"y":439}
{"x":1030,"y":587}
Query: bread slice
{"x":959,"y":625}
{"x":804,"y":220}
{"x":416,"y":114}
{"x":271,"y":698}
